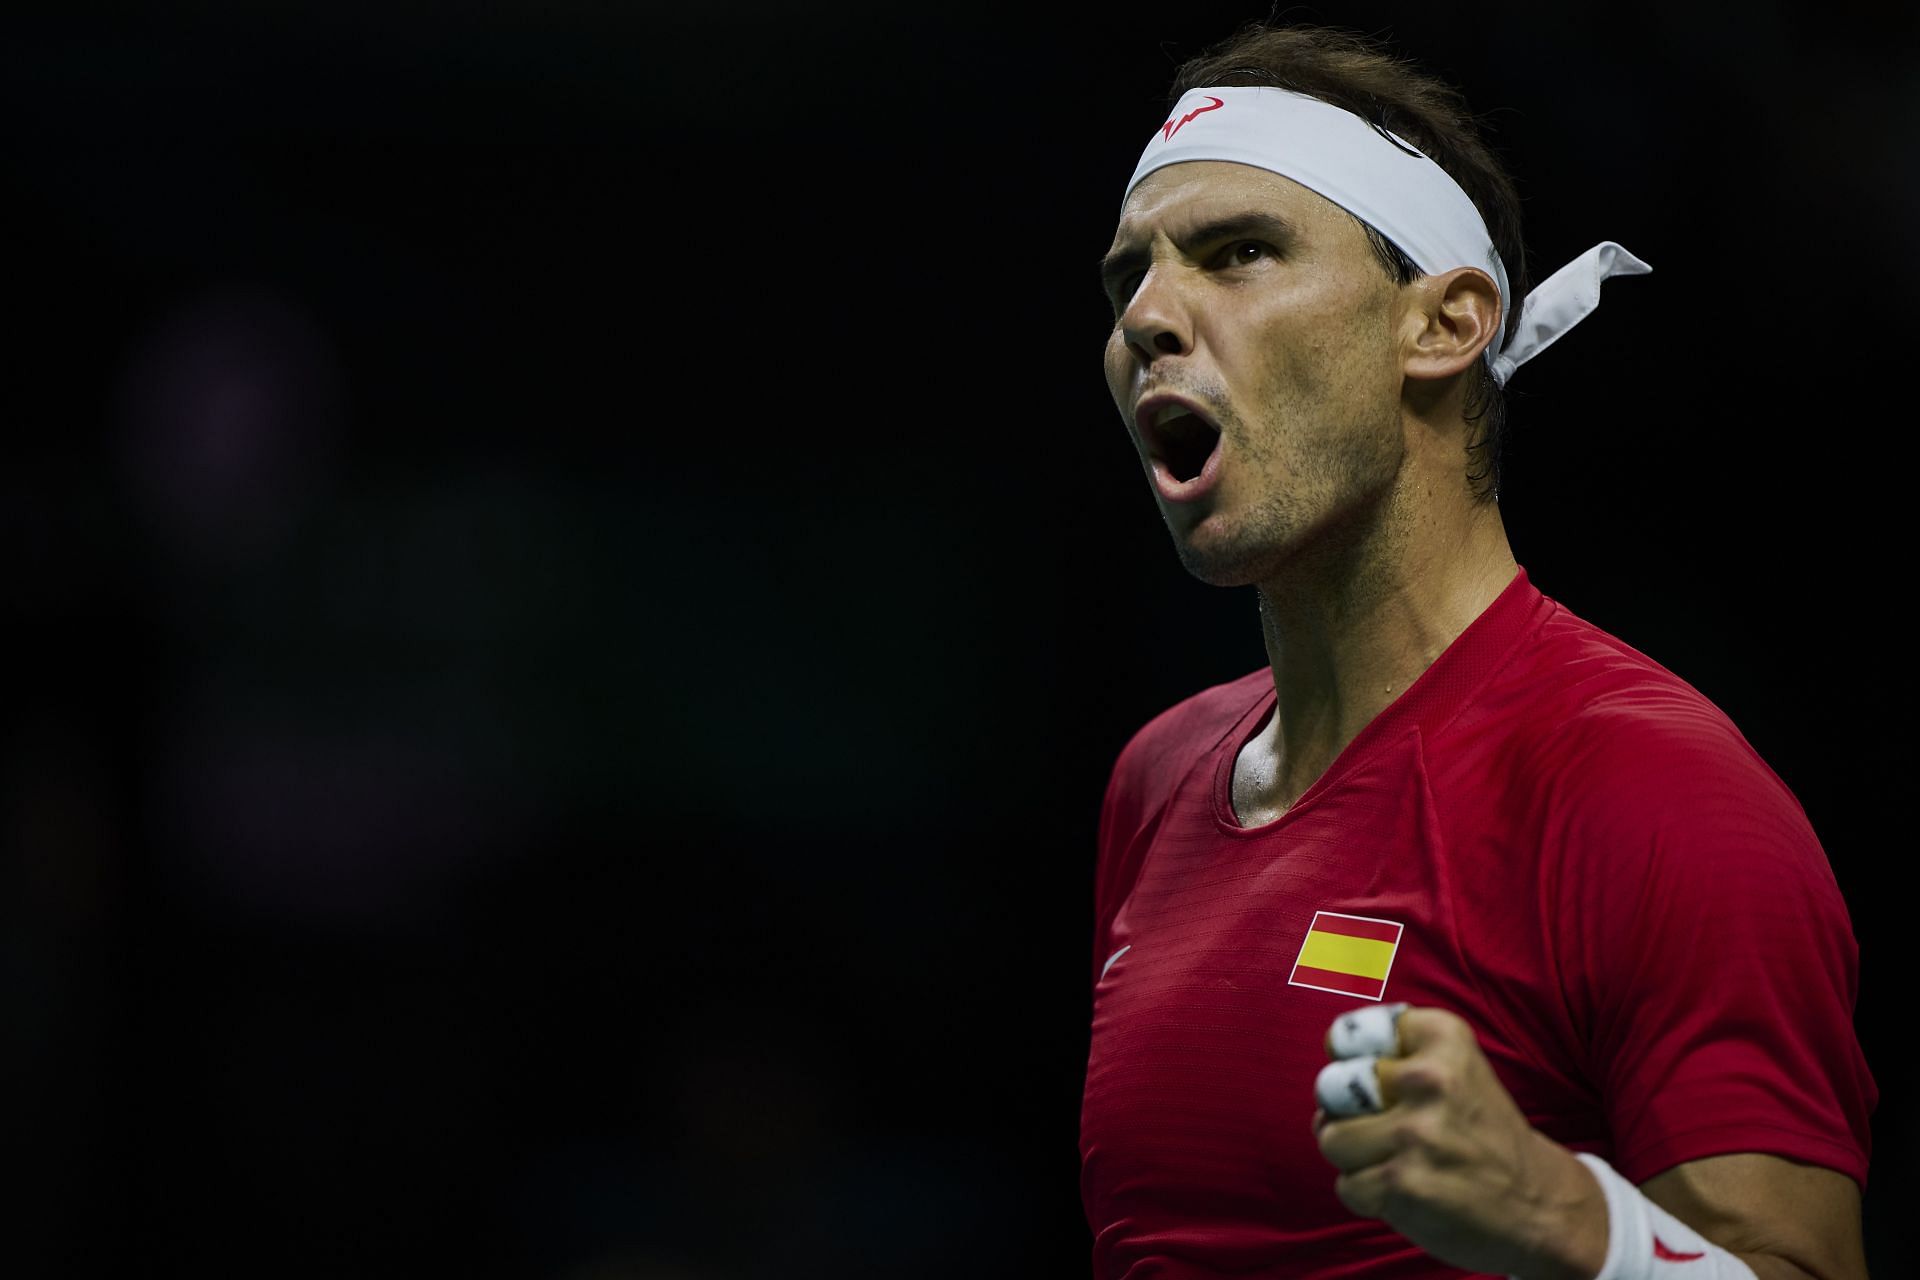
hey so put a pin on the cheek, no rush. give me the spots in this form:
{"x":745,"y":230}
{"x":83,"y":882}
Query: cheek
{"x":1119,"y":369}
{"x":1335,"y":363}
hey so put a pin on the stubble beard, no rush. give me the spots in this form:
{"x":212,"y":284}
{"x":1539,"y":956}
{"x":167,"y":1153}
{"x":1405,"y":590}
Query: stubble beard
{"x":1319,"y":509}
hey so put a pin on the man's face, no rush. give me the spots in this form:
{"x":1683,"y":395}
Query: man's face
{"x":1256,"y":306}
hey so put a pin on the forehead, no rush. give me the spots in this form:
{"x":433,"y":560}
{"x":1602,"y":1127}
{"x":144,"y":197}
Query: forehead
{"x":1202,"y":191}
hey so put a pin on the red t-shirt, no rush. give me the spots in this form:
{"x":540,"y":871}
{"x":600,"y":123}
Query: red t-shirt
{"x":1547,"y":833}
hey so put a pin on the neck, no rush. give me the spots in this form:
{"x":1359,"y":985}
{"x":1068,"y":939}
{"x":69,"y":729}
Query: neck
{"x":1350,"y":627}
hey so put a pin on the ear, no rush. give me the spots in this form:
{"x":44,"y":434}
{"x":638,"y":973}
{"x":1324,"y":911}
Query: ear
{"x":1450,"y":320}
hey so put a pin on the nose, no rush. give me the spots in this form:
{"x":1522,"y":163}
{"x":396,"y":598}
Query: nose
{"x":1154,"y":323}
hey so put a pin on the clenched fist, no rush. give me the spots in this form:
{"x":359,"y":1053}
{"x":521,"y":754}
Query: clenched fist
{"x":1436,"y":1148}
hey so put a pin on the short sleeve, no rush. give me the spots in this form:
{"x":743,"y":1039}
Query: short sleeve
{"x":1708,"y":951}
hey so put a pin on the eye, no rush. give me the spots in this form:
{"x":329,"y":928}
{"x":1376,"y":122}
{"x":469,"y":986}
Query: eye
{"x":1242,"y":252}
{"x":1124,"y":290}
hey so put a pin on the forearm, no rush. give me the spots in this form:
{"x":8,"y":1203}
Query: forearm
{"x":1596,"y":1225}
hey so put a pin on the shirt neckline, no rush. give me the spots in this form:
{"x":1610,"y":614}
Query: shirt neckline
{"x":1426,"y":704}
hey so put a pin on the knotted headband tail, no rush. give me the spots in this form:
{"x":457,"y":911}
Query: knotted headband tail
{"x":1562,"y":301}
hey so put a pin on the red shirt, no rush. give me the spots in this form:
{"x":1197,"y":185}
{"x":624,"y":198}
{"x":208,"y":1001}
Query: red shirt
{"x":1547,"y":833}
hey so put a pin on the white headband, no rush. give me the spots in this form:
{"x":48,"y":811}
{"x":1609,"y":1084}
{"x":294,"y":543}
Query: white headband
{"x":1390,"y":186}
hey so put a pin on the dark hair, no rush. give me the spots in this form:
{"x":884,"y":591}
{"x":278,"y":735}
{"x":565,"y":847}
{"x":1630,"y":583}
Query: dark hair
{"x":1354,"y":73}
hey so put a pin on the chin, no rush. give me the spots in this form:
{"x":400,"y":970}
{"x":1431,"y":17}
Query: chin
{"x":1228,"y":565}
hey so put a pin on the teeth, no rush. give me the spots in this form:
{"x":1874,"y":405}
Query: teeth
{"x":1168,"y":413}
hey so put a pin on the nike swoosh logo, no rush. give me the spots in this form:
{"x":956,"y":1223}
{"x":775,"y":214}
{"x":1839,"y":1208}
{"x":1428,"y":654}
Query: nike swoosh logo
{"x":1660,"y":1249}
{"x":1116,"y":955}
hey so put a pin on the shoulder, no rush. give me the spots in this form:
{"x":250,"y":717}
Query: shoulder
{"x":1162,"y":750}
{"x":1651,"y":810}
{"x":1195,"y":724}
{"x":1611,"y":775}
{"x":1150,"y":768}
{"x":1609,"y":732}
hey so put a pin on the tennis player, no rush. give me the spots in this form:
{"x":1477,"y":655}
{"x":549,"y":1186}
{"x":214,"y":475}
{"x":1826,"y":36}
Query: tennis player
{"x":1573,"y":951}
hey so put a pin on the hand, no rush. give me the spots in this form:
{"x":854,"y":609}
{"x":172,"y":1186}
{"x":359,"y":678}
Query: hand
{"x":1452,"y":1164}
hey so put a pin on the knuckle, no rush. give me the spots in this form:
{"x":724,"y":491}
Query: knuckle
{"x":1438,"y":1024}
{"x":1414,"y":1133}
{"x":1429,"y":1145}
{"x":1425,"y":1076}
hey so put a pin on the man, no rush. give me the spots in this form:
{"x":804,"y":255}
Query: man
{"x":1626,"y":972}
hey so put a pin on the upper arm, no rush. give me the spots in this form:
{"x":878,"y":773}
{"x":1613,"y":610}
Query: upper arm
{"x":1709,"y":959}
{"x":1770,"y":1211}
{"x":1715,"y":964}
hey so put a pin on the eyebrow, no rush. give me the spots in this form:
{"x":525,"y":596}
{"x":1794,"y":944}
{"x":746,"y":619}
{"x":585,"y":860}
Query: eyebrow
{"x":1124,"y":261}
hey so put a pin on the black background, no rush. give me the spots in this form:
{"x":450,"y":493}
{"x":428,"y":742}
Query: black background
{"x":575,"y":584}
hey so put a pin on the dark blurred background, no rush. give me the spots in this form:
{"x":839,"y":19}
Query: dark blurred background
{"x":575,"y":585}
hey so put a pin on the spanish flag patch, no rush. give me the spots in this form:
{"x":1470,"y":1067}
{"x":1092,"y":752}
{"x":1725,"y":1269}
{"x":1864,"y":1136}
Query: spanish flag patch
{"x":1348,"y":954}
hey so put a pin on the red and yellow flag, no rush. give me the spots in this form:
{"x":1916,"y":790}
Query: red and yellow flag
{"x":1348,"y":954}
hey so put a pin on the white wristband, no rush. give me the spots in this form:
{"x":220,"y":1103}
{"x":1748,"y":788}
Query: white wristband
{"x":1645,"y":1242}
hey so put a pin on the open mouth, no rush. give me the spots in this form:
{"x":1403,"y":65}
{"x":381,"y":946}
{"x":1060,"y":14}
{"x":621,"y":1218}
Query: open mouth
{"x":1182,"y":439}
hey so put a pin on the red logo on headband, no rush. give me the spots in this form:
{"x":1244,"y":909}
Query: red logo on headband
{"x":1172,"y":127}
